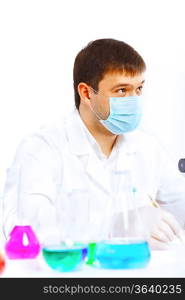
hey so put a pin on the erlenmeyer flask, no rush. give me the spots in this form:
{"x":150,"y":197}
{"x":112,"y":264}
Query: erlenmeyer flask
{"x":22,"y":242}
{"x":126,"y":246}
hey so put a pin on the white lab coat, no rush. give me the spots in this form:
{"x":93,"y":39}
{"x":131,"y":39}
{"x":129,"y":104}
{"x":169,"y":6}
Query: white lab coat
{"x":58,"y":161}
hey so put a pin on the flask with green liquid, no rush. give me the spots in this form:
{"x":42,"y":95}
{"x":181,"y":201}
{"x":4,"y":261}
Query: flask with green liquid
{"x":69,"y":251}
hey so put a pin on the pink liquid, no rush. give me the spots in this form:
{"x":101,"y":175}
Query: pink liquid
{"x":22,"y":243}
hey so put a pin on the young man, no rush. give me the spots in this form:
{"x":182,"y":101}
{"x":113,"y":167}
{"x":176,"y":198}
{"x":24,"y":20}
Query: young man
{"x":89,"y":153}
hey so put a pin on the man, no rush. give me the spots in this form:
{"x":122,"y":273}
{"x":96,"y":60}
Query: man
{"x":87,"y":156}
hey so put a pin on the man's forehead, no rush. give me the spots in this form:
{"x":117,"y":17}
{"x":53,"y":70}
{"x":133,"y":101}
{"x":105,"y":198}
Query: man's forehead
{"x":123,"y":78}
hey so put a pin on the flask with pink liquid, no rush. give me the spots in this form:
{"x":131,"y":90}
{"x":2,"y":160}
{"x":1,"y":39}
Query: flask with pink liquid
{"x":22,"y":242}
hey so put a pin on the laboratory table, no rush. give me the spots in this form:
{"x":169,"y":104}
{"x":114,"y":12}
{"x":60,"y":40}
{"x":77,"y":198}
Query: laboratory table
{"x":163,"y":263}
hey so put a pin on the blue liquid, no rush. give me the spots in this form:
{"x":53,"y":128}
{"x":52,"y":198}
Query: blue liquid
{"x":123,"y":254}
{"x":63,"y":258}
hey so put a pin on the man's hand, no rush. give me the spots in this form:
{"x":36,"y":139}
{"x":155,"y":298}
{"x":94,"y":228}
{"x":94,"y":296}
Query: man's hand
{"x":162,"y":227}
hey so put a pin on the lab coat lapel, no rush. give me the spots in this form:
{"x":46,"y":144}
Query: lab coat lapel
{"x":126,"y":153}
{"x":75,"y":135}
{"x":97,"y":173}
{"x":81,"y":148}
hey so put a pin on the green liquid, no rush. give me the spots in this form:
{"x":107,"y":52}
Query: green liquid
{"x":62,"y":258}
{"x":91,"y":256}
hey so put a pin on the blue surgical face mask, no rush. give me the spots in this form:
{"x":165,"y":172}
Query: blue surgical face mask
{"x":125,"y":114}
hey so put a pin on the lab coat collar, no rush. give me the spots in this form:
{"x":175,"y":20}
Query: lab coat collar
{"x":127,"y":143}
{"x":76,"y":135}
{"x":79,"y":145}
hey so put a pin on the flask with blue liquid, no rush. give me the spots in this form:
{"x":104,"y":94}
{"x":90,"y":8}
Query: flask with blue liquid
{"x":126,"y":245}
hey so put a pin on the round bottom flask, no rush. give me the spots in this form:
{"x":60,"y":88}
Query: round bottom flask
{"x":63,"y":257}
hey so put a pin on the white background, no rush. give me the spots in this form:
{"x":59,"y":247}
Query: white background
{"x":40,"y":39}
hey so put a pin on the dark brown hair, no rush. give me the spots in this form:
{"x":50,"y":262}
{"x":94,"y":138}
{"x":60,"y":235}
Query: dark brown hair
{"x":102,"y":56}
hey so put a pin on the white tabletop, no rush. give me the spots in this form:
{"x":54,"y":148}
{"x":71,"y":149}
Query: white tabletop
{"x":168,"y":263}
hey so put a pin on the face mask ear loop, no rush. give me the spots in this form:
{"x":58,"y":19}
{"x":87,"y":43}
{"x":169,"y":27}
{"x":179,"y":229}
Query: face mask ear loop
{"x":96,"y":92}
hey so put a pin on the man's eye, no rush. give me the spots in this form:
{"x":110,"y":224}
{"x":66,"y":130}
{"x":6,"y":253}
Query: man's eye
{"x":140,"y":88}
{"x":121,"y":91}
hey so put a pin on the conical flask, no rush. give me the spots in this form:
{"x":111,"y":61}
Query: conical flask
{"x":22,"y":242}
{"x":126,"y":245}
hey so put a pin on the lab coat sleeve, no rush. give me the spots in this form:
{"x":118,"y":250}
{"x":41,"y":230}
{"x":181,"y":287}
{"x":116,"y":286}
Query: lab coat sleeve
{"x":171,"y":187}
{"x":31,"y":186}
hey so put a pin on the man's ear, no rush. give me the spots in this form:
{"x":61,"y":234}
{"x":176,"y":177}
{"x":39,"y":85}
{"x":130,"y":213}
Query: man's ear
{"x":84,"y":92}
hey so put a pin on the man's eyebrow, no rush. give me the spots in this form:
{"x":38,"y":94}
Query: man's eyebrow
{"x":124,"y":84}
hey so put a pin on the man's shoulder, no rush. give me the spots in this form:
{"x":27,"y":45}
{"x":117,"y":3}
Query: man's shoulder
{"x":47,"y":133}
{"x":50,"y":135}
{"x":56,"y":128}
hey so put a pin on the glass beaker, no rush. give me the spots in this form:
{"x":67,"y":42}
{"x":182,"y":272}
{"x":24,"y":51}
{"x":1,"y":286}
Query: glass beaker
{"x":126,"y":246}
{"x":22,"y":242}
